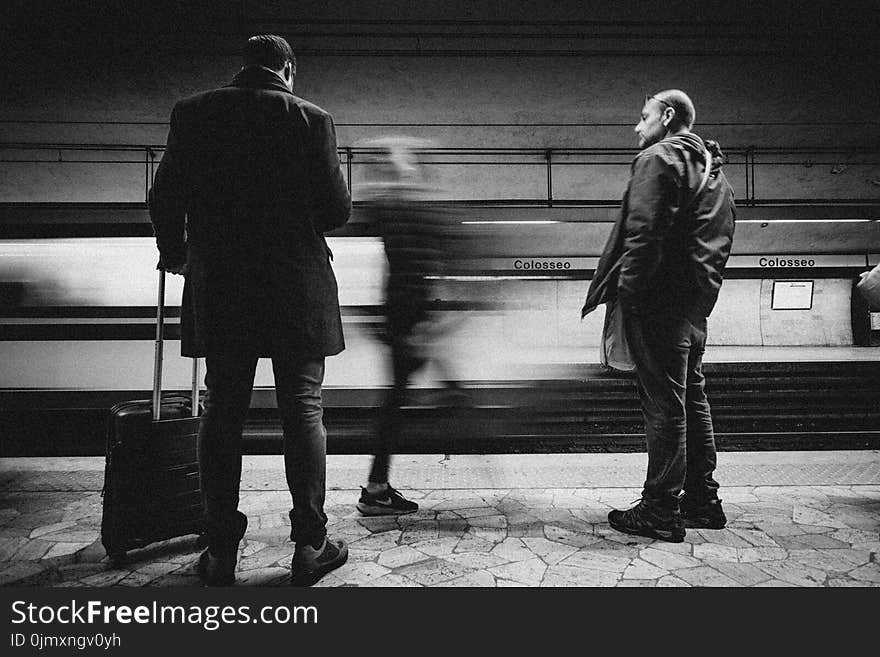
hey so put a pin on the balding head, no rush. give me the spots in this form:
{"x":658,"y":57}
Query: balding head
{"x":665,"y":113}
{"x":682,"y":104}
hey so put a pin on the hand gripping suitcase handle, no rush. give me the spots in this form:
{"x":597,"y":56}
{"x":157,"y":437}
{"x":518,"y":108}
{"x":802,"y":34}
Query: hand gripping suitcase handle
{"x":158,"y":354}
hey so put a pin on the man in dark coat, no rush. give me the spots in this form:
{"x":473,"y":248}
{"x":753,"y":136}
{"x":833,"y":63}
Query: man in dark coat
{"x":664,"y":263}
{"x":249,"y":183}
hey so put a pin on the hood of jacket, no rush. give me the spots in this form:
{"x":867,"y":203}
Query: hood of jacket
{"x":692,"y":142}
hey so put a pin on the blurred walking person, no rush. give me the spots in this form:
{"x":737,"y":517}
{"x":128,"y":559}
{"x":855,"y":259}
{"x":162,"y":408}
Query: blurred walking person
{"x":413,"y":233}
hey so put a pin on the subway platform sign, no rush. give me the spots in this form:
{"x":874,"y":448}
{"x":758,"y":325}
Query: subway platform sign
{"x":541,"y":264}
{"x":562,"y":265}
{"x":797,"y":261}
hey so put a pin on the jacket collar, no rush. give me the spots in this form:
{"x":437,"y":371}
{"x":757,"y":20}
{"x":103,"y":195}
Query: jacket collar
{"x":259,"y":77}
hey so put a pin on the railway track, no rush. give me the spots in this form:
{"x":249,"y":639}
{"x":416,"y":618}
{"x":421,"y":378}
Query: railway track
{"x":756,"y":406}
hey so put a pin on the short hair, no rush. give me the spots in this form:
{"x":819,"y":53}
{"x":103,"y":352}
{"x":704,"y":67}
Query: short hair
{"x":685,"y":114}
{"x":401,"y":155}
{"x":268,"y":50}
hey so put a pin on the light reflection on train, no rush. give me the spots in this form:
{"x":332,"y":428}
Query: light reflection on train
{"x":492,"y":328}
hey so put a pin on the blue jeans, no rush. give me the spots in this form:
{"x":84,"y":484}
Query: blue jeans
{"x":229,"y":380}
{"x":667,"y":347}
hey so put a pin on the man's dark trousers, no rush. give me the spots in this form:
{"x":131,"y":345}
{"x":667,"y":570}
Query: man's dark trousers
{"x":667,"y":347}
{"x":229,"y":380}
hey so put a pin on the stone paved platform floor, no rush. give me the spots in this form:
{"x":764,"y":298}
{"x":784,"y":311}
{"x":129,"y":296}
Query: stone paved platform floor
{"x":795,"y":519}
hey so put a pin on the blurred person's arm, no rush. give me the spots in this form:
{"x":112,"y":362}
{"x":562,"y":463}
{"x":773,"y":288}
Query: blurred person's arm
{"x":331,"y":202}
{"x":168,"y":201}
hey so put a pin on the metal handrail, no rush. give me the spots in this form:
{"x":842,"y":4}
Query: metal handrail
{"x":746,"y":156}
{"x":472,"y":150}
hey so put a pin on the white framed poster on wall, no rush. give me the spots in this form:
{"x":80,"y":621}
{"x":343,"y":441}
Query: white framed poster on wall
{"x":792,"y":295}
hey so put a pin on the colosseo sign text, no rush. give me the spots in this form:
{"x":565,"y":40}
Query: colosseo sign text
{"x":797,"y":261}
{"x":780,"y":261}
{"x":541,"y":264}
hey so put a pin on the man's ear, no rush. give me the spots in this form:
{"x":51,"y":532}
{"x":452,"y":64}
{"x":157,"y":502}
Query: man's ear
{"x":288,"y":73}
{"x":668,"y":115}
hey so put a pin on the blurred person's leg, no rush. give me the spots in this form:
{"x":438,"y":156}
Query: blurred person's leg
{"x":402,"y":315}
{"x":388,"y":426}
{"x":437,"y":328}
{"x":379,"y":497}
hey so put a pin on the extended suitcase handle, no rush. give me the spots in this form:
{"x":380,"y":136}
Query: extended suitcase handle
{"x":158,"y":354}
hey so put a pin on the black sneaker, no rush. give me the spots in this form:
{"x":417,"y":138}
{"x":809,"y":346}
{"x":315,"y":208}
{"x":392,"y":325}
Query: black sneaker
{"x":218,"y":569}
{"x":310,"y":563}
{"x":702,"y":515}
{"x":387,"y":503}
{"x":644,"y":520}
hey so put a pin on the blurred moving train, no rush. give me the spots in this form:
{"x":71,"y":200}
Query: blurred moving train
{"x":78,"y":317}
{"x":78,"y":292}
{"x":78,"y":310}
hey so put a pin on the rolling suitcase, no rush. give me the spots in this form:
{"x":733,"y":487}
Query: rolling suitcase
{"x":151,"y":476}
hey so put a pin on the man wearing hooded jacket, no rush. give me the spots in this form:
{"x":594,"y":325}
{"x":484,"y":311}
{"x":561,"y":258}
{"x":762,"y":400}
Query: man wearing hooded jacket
{"x":664,"y":264}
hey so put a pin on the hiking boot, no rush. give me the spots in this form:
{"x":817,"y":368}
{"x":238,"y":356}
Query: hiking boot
{"x":310,"y":563}
{"x":217,"y":568}
{"x":388,"y":502}
{"x":702,"y":515}
{"x":645,"y":520}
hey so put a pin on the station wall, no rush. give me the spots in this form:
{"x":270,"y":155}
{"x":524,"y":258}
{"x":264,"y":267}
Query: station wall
{"x":476,"y":101}
{"x":807,"y":121}
{"x":550,"y":316}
